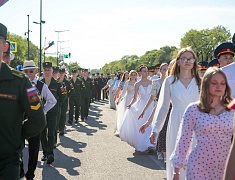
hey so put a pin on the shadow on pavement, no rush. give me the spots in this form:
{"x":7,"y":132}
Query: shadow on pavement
{"x":67,"y":142}
{"x":142,"y":159}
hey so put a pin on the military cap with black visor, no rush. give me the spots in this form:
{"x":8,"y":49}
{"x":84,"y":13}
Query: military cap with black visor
{"x":225,"y":53}
{"x":19,"y":96}
{"x":55,"y":69}
{"x":47,"y":65}
{"x":214,"y":63}
{"x":74,"y":71}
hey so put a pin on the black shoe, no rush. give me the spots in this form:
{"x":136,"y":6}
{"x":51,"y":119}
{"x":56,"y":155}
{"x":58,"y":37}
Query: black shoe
{"x":61,"y":133}
{"x":82,"y":119}
{"x":76,"y":121}
{"x":70,"y":122}
{"x":50,"y":159}
{"x":44,"y":158}
{"x":22,"y":175}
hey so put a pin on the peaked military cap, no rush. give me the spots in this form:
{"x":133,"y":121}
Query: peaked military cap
{"x":56,"y":69}
{"x":224,"y":48}
{"x":214,"y":63}
{"x":92,"y":74}
{"x":85,"y":70}
{"x":47,"y":65}
{"x":157,"y":66}
{"x":74,"y":71}
{"x":62,"y":70}
{"x":3,"y":31}
{"x":151,"y":69}
{"x":79,"y":69}
{"x":203,"y":65}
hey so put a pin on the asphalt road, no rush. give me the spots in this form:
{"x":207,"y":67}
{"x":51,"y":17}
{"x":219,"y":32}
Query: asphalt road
{"x":90,"y":151}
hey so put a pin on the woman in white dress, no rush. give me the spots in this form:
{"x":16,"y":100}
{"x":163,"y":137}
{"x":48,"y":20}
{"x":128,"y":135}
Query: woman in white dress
{"x":129,"y":130}
{"x":111,"y":98}
{"x":180,"y":89}
{"x":125,"y":98}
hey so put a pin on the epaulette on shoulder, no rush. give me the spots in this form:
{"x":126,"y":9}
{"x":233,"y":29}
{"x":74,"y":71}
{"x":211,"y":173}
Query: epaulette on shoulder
{"x":17,"y":73}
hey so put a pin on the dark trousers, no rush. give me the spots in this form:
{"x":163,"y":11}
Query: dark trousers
{"x":98,"y":93}
{"x":85,"y":100}
{"x":48,"y":134}
{"x":74,"y":101}
{"x":104,"y":95}
{"x":33,"y":149}
{"x":11,"y":170}
{"x":62,"y":120}
{"x":93,"y":96}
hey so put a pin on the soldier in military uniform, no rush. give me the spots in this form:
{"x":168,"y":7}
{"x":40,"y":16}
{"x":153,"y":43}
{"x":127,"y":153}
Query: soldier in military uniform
{"x":202,"y":67}
{"x":75,"y":98}
{"x":98,"y":86}
{"x":93,"y":88}
{"x":68,"y":90}
{"x":80,"y":75}
{"x":49,"y":133}
{"x":30,"y":70}
{"x":85,"y":94}
{"x":104,"y":82}
{"x":225,"y":53}
{"x":56,"y":72}
{"x":17,"y":97}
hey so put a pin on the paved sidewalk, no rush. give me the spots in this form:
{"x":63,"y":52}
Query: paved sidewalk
{"x":90,"y":151}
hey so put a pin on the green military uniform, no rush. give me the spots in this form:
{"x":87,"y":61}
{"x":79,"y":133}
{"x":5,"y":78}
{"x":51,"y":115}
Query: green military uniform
{"x":93,"y":89}
{"x":104,"y":93}
{"x":48,"y":134}
{"x":64,"y":106}
{"x":85,"y":96}
{"x":75,"y":100}
{"x":17,"y":96}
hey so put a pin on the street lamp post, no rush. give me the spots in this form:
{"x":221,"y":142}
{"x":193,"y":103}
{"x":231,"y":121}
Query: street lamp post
{"x":57,"y":58}
{"x":28,"y":36}
{"x":40,"y":48}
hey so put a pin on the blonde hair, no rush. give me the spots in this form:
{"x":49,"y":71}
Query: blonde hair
{"x":175,"y":70}
{"x":205,"y":101}
{"x":132,"y":71}
{"x":163,"y":64}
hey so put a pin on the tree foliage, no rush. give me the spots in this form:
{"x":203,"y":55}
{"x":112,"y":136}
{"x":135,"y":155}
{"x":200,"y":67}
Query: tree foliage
{"x":204,"y":41}
{"x":150,"y":58}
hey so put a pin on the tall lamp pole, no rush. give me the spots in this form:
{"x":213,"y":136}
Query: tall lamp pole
{"x":40,"y":48}
{"x":28,"y":36}
{"x":57,"y":58}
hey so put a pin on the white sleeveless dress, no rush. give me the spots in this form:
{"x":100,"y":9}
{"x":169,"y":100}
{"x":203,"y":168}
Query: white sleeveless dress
{"x":129,"y":130}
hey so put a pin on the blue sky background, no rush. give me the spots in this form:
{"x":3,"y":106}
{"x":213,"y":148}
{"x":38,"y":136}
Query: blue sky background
{"x":105,"y":30}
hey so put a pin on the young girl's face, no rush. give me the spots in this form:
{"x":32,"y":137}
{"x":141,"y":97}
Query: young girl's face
{"x":126,"y":76}
{"x":217,"y":85}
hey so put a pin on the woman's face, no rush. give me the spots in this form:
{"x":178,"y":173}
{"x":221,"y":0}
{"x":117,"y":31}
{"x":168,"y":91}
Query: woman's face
{"x":186,"y":61}
{"x":144,"y":72}
{"x":133,"y":76}
{"x":126,"y":76}
{"x":163,"y":70}
{"x":217,"y":85}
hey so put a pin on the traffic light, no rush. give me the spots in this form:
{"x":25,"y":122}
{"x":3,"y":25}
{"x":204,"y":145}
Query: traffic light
{"x":69,"y":55}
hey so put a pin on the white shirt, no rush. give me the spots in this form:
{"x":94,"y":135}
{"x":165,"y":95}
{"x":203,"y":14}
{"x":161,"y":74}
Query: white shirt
{"x":48,"y":96}
{"x":155,"y":77}
{"x":229,"y":71}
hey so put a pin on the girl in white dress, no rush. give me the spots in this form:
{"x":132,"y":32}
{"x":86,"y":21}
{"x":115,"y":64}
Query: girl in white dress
{"x":212,"y":123}
{"x":125,"y":98}
{"x":180,"y":88}
{"x":129,"y":130}
{"x":111,"y":98}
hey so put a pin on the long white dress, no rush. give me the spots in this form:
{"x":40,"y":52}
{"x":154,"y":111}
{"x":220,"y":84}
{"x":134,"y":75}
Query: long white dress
{"x":180,"y":97}
{"x":129,"y":130}
{"x":125,"y":99}
{"x":111,"y":98}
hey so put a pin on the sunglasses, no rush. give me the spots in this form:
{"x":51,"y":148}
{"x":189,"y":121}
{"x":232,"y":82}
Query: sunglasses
{"x":28,"y":71}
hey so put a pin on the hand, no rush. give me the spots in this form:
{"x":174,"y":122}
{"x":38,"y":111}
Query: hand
{"x":141,"y":115}
{"x":153,"y":138}
{"x":129,"y":106}
{"x":176,"y":177}
{"x":143,"y":127}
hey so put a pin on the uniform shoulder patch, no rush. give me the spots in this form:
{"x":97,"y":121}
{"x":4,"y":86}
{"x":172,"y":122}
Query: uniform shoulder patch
{"x":17,"y":73}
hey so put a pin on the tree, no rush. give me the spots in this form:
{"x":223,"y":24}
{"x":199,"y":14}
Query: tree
{"x":204,"y":41}
{"x":72,"y":65}
{"x":22,"y":50}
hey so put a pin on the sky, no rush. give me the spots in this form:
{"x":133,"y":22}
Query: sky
{"x":105,"y":30}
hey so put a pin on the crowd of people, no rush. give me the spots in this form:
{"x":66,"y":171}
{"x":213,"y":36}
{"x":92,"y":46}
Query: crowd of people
{"x":183,"y":109}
